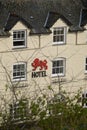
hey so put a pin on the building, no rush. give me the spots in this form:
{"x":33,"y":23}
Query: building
{"x":43,"y":43}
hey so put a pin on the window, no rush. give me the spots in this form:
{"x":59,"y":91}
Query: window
{"x":59,"y":35}
{"x":19,"y":110}
{"x":55,"y":101}
{"x":86,"y":65}
{"x":19,"y":39}
{"x":84,"y":100}
{"x":58,"y":67}
{"x":19,"y":71}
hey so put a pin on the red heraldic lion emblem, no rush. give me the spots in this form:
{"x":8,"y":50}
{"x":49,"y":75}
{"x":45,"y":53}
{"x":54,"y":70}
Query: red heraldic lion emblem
{"x":39,"y":63}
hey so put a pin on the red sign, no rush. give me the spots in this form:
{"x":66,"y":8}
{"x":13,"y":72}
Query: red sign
{"x":42,"y":65}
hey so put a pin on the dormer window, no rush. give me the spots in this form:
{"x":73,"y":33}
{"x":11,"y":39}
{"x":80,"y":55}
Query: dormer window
{"x":59,"y":35}
{"x":19,"y":38}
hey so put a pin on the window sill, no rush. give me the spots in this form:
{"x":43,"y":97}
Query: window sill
{"x":60,"y":75}
{"x":58,"y":43}
{"x":85,"y":107}
{"x":85,"y":72}
{"x":19,"y":80}
{"x":20,"y":47}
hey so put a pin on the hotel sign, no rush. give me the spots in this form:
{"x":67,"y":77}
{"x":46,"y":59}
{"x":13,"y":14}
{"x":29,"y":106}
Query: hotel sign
{"x":41,"y":66}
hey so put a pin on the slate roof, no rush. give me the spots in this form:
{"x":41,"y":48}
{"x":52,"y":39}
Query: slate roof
{"x":84,"y":3}
{"x":13,"y":19}
{"x":52,"y":17}
{"x":40,"y":15}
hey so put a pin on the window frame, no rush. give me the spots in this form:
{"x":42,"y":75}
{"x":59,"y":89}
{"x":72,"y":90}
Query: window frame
{"x":17,"y":39}
{"x":85,"y":65}
{"x":22,"y":78}
{"x":64,"y":66}
{"x":64,"y":38}
{"x":84,"y":100}
{"x":16,"y":108}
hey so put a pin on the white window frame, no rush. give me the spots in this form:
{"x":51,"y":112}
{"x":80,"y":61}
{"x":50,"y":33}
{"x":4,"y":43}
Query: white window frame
{"x":14,"y":108}
{"x":23,"y":39}
{"x":15,"y":78}
{"x":64,"y":65}
{"x":64,"y":39}
{"x":84,"y":100}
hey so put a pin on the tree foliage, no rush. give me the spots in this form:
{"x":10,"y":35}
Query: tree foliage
{"x":60,"y":112}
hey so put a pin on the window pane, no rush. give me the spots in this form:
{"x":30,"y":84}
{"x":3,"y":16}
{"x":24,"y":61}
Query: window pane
{"x":86,"y":95}
{"x":57,"y":70}
{"x":18,"y":73}
{"x":86,"y":67}
{"x":62,"y":31}
{"x":18,"y":35}
{"x":53,"y":71}
{"x":61,"y":38}
{"x":23,"y":34}
{"x":83,"y":95}
{"x":22,"y":74}
{"x":18,"y":43}
{"x":58,"y":38}
{"x":58,"y":31}
{"x":54,"y":32}
{"x":54,"y":38}
{"x":22,"y":67}
{"x":61,"y":63}
{"x":14,"y":67}
{"x":61,"y":70}
{"x":54,"y":64}
{"x":14,"y":36}
{"x":14,"y":74}
{"x":58,"y":63}
{"x":86,"y":60}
